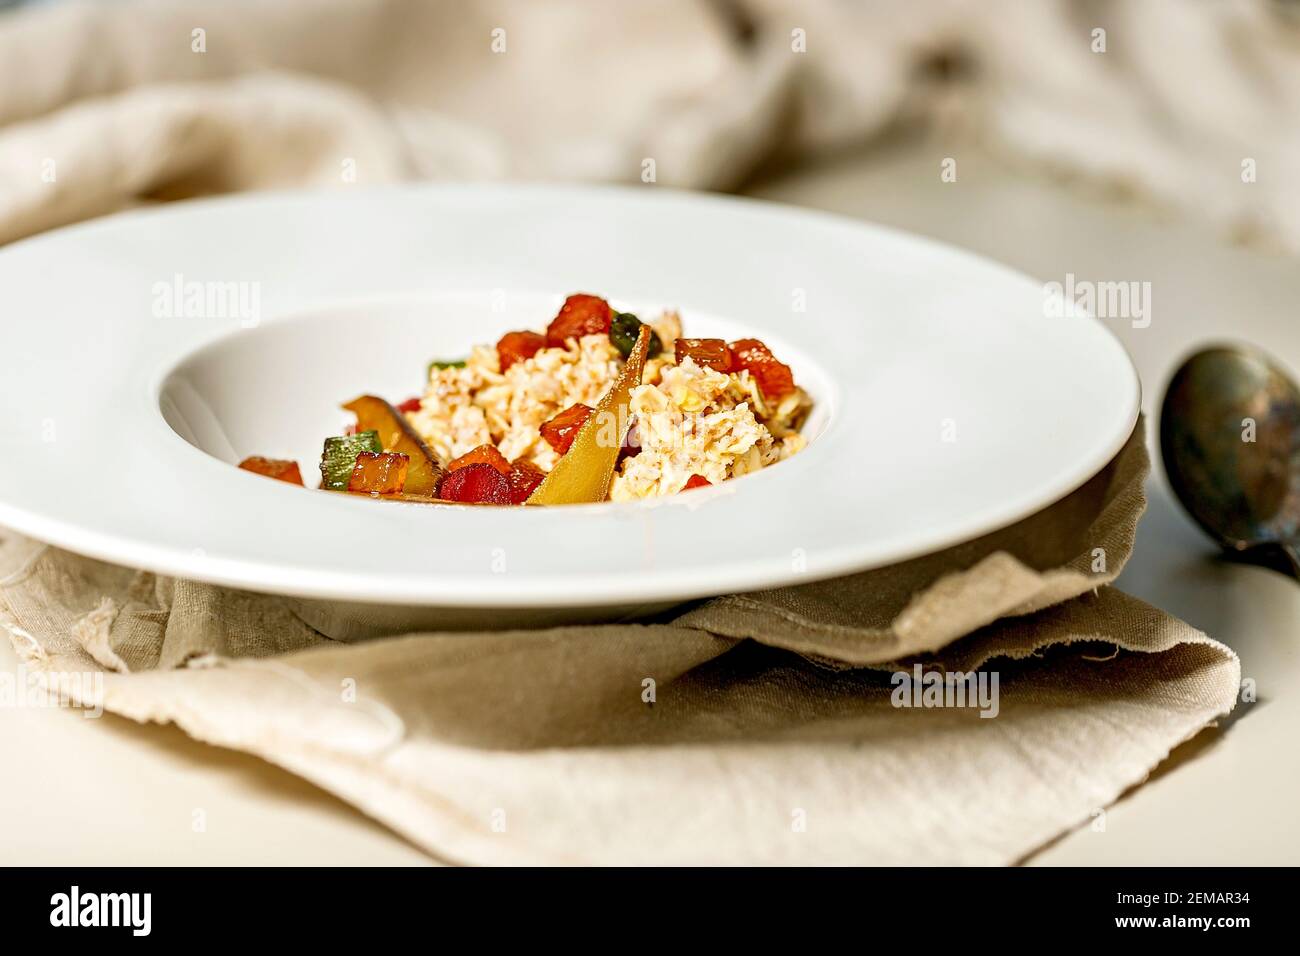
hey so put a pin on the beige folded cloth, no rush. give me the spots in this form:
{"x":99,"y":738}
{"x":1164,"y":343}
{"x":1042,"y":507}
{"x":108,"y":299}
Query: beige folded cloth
{"x":107,"y":105}
{"x":681,"y":741}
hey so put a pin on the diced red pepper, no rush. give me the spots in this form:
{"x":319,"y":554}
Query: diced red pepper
{"x":409,"y":406}
{"x":524,"y":479}
{"x":483,"y":454}
{"x":775,"y":380}
{"x":278,"y":468}
{"x":560,"y":431}
{"x":696,"y":481}
{"x":477,"y":482}
{"x":380,"y":473}
{"x":517,"y":346}
{"x":580,"y":315}
{"x":710,"y":353}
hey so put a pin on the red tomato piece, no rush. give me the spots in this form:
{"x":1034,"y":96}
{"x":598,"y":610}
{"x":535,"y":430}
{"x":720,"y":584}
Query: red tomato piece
{"x":560,"y":431}
{"x":409,"y":406}
{"x":580,"y":315}
{"x":696,"y":481}
{"x":380,"y":473}
{"x":517,"y":346}
{"x":483,"y":454}
{"x":278,"y":468}
{"x":524,"y":479}
{"x":775,"y":380}
{"x":477,"y":482}
{"x":711,"y":353}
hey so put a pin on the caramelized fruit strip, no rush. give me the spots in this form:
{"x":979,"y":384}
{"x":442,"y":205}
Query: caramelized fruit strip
{"x":278,"y":468}
{"x":396,"y":434}
{"x":426,"y":500}
{"x":585,"y":472}
{"x":380,"y":474}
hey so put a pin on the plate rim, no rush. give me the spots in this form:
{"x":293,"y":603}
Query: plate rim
{"x":608,"y":589}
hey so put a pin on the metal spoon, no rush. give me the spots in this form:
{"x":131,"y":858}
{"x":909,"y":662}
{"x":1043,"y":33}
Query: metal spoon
{"x":1230,"y":439}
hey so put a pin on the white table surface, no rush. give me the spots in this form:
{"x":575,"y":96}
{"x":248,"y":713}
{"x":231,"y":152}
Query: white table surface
{"x":108,"y":791}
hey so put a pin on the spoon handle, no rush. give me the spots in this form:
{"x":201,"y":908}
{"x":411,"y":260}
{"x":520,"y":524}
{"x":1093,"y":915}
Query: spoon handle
{"x":1292,"y":551}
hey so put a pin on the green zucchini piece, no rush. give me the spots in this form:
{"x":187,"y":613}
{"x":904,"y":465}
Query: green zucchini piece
{"x":339,"y":456}
{"x":623,"y":330}
{"x":440,"y":363}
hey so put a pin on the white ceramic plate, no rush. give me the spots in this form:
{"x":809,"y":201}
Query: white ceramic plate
{"x":949,"y":404}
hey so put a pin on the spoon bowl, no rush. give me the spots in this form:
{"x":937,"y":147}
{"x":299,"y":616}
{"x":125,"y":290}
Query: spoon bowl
{"x":1230,"y":441}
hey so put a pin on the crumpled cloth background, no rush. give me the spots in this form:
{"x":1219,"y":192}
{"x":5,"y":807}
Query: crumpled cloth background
{"x":107,"y":105}
{"x":752,"y":728}
{"x":755,"y":728}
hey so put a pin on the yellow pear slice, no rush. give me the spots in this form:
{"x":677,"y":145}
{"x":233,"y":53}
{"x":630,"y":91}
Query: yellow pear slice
{"x":584,"y":473}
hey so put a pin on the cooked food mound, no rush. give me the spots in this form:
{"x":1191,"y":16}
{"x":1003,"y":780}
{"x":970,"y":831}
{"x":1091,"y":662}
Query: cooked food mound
{"x":633,"y":409}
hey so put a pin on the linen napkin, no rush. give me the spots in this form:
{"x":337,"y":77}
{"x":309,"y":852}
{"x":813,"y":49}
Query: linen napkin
{"x":757,"y":728}
{"x":108,"y":105}
{"x":787,"y":726}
